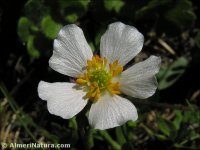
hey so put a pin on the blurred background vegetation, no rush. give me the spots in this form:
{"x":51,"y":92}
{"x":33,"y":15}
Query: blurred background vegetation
{"x":168,"y":120}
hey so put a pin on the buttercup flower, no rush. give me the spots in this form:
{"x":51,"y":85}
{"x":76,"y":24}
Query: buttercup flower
{"x":99,"y":79}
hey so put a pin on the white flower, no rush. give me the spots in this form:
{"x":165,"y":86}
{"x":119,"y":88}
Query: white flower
{"x":99,"y":79}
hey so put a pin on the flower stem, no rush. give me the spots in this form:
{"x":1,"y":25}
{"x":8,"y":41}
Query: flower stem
{"x":109,"y":139}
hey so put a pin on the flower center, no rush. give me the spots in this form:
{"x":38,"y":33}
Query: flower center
{"x":99,"y":77}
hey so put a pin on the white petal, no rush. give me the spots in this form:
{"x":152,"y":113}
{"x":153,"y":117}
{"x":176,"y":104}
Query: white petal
{"x":63,"y":99}
{"x":111,"y":111}
{"x":121,"y":42}
{"x":139,"y":80}
{"x":71,"y":51}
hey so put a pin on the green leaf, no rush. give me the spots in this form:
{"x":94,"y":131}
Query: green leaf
{"x":49,"y":27}
{"x":161,"y":137}
{"x":181,"y":14}
{"x":162,"y":125}
{"x":115,"y":5}
{"x":23,"y":28}
{"x":36,"y":10}
{"x":85,"y":3}
{"x":170,"y":74}
{"x":167,"y":128}
{"x":174,"y":15}
{"x":152,"y":4}
{"x":74,"y":4}
{"x":192,"y":116}
{"x":178,"y":119}
{"x":72,"y":9}
{"x":194,"y":135}
{"x":31,"y":48}
{"x":71,"y":18}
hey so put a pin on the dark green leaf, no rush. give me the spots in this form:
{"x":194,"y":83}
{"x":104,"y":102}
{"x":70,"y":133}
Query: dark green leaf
{"x":115,"y":5}
{"x":85,"y":3}
{"x":178,"y":119}
{"x":170,"y":74}
{"x":161,"y":137}
{"x":172,"y":16}
{"x":181,"y":14}
{"x":194,"y":135}
{"x":163,"y":126}
{"x":167,"y":128}
{"x":36,"y":10}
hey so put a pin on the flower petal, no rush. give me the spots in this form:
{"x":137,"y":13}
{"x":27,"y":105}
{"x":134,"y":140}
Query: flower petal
{"x":139,"y":80}
{"x":63,"y":99}
{"x":121,"y":42}
{"x":111,"y":111}
{"x":71,"y":51}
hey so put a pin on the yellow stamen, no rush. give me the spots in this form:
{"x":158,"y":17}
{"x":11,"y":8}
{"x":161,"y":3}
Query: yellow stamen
{"x":114,"y":88}
{"x":81,"y":81}
{"x":117,"y":71}
{"x":99,"y":77}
